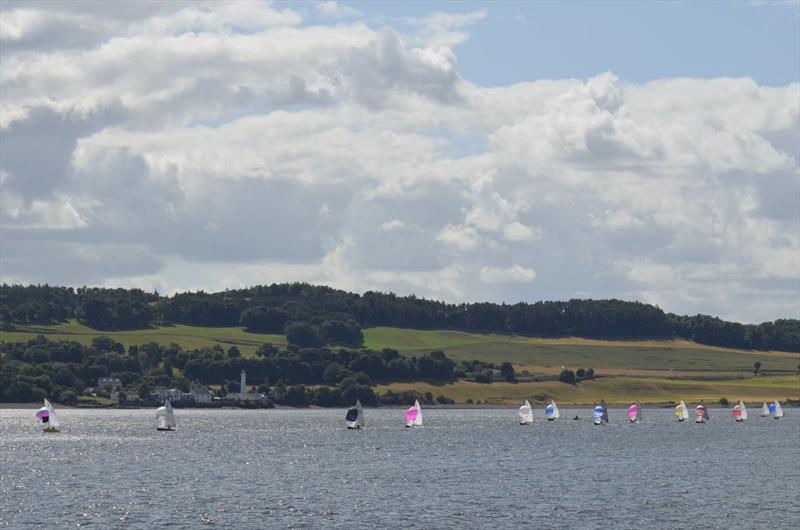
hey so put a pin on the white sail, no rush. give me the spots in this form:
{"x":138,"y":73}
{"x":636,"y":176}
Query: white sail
{"x":355,"y":416}
{"x":681,"y":411}
{"x":53,"y":419}
{"x":764,"y":410}
{"x":526,"y":413}
{"x":778,"y":411}
{"x":165,"y":417}
{"x":551,"y":411}
{"x":743,"y":409}
{"x":639,"y":413}
{"x":418,"y":420}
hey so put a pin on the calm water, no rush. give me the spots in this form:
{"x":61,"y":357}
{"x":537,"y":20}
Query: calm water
{"x":463,"y":469}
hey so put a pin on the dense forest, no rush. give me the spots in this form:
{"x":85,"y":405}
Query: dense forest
{"x":312,"y":316}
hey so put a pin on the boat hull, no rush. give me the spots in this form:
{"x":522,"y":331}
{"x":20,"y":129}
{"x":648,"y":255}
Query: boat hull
{"x":551,"y":419}
{"x":356,"y":428}
{"x":51,"y":429}
{"x":164,"y":429}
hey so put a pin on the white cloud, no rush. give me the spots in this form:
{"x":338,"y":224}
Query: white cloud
{"x":336,"y":10}
{"x":517,"y":231}
{"x":459,"y":237}
{"x":513,"y":274}
{"x":444,"y":29}
{"x":184,"y":145}
{"x":394,"y":224}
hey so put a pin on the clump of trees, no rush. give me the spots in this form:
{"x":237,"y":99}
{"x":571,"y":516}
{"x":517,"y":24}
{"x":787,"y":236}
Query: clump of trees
{"x":37,"y":368}
{"x":571,"y":378}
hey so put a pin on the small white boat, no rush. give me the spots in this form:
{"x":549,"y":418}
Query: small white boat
{"x":47,"y":417}
{"x":165,"y":417}
{"x":765,"y":411}
{"x":681,"y":411}
{"x":526,"y":414}
{"x":740,"y":412}
{"x":635,"y":413}
{"x":701,"y":413}
{"x":414,"y":415}
{"x":776,"y":409}
{"x":355,"y":416}
{"x":551,"y":411}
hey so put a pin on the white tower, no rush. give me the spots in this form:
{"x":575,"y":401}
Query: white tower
{"x":243,"y":384}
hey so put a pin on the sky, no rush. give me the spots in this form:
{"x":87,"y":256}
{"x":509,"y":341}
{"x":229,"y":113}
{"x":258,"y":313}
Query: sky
{"x":461,"y":151}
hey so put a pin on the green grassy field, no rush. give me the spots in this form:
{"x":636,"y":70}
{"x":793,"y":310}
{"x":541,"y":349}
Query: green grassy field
{"x":189,"y":337}
{"x":614,"y":390}
{"x":537,"y":353}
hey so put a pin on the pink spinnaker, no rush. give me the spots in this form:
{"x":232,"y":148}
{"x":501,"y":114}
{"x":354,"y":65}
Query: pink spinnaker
{"x":42,"y":413}
{"x":411,"y":414}
{"x":632,"y":411}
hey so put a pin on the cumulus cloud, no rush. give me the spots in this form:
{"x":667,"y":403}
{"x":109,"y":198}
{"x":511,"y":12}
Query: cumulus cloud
{"x":515,"y":273}
{"x":336,"y":10}
{"x":178,"y":145}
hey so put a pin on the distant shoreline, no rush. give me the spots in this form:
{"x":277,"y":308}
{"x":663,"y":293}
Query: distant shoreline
{"x":460,"y":406}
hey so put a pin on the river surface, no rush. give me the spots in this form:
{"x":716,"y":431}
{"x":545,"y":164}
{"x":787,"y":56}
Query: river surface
{"x":466,"y":468}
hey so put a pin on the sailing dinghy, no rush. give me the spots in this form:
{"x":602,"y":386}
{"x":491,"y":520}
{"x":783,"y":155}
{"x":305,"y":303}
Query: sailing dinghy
{"x":635,"y":413}
{"x":414,"y":415}
{"x":47,"y":417}
{"x":526,"y":414}
{"x":740,"y":412}
{"x":165,"y":417}
{"x":776,"y":409}
{"x":682,"y":412}
{"x":551,"y":411}
{"x":701,"y":413}
{"x":765,"y":411}
{"x":600,"y":414}
{"x":355,"y":416}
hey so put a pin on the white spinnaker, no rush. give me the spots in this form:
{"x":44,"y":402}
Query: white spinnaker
{"x":53,"y":420}
{"x":526,"y":413}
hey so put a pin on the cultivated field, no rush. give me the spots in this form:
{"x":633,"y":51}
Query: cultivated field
{"x":614,"y":390}
{"x":545,"y":355}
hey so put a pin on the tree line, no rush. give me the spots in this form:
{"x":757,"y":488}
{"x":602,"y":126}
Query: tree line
{"x":62,"y":370}
{"x":313,"y":316}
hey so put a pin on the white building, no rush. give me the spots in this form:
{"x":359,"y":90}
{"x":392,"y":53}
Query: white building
{"x":172,"y":394}
{"x":112,"y":383}
{"x":201,"y":396}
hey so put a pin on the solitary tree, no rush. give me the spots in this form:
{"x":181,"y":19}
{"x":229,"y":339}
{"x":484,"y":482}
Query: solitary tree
{"x":508,"y":373}
{"x":756,"y":367}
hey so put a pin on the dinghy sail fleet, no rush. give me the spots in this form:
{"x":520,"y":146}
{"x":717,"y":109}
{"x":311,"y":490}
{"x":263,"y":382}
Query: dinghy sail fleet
{"x":526,"y":414}
{"x":47,"y":417}
{"x":355,"y":416}
{"x":682,"y":412}
{"x":165,"y":417}
{"x":414,"y":416}
{"x":740,"y":412}
{"x":551,"y":411}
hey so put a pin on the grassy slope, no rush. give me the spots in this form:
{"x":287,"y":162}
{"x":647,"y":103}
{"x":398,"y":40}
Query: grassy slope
{"x":615,"y":390}
{"x":188,"y":337}
{"x":537,"y":354}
